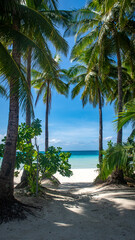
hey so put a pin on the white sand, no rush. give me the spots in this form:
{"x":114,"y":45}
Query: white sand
{"x":78,"y":210}
{"x":79,"y":175}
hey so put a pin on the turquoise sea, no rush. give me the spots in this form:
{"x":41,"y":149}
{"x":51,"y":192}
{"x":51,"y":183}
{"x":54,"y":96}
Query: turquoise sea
{"x":82,"y":159}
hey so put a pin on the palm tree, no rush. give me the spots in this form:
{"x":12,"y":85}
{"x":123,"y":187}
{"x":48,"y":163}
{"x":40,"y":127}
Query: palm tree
{"x":98,"y":24}
{"x":118,"y":20}
{"x":44,"y":82}
{"x":11,"y":29}
{"x":92,"y":88}
{"x":120,"y":44}
{"x":6,"y":178}
{"x":94,"y":24}
{"x":49,"y":10}
{"x":93,"y":93}
{"x":88,"y":50}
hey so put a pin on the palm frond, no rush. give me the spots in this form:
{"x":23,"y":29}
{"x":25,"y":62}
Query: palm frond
{"x":83,"y":43}
{"x":24,"y":41}
{"x":40,"y":91}
{"x":115,"y":157}
{"x":43,"y":23}
{"x":76,"y":90}
{"x":3,"y":92}
{"x":12,"y":70}
{"x":126,"y":116}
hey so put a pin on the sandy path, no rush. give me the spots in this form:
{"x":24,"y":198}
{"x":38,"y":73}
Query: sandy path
{"x":78,"y":210}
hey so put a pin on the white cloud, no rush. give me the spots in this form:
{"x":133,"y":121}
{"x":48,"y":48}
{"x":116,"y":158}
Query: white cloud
{"x":108,"y":138}
{"x":54,"y":140}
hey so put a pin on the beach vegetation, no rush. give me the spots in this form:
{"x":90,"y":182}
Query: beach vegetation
{"x":50,"y":162}
{"x":54,"y":160}
{"x":128,"y":115}
{"x":118,"y":156}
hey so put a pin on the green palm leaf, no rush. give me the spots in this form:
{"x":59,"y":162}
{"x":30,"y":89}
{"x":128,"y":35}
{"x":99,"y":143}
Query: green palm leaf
{"x":44,"y":24}
{"x":127,"y":115}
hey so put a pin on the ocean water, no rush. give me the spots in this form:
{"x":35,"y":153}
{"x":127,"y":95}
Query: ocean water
{"x":81,"y":159}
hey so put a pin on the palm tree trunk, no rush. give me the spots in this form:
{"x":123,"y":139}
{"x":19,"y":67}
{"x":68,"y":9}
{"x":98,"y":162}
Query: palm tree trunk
{"x":24,"y":177}
{"x":119,"y":135}
{"x":46,"y":118}
{"x":100,"y":128}
{"x":133,"y":75}
{"x":28,"y":111}
{"x":8,"y":164}
{"x":117,"y":175}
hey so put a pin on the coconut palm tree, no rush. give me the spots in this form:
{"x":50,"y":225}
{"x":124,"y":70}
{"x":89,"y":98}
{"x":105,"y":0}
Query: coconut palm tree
{"x":93,"y":54}
{"x":15,"y":20}
{"x":49,"y":10}
{"x":6,"y":178}
{"x":93,"y":91}
{"x":98,"y":25}
{"x":118,"y":25}
{"x":94,"y":24}
{"x":44,"y":82}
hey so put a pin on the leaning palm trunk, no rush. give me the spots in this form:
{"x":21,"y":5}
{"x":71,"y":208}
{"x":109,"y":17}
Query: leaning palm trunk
{"x":8,"y":164}
{"x":100,"y":128}
{"x":46,"y":118}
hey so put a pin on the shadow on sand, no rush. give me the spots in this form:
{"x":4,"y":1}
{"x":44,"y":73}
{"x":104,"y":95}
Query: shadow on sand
{"x":85,"y":215}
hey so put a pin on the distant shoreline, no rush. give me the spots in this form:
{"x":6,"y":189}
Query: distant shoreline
{"x":76,"y":151}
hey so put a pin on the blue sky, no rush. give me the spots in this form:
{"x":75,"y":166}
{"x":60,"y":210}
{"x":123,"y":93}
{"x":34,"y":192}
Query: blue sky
{"x":71,"y":126}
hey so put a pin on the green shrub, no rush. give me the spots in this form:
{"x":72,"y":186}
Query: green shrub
{"x":118,"y":155}
{"x":54,"y":160}
{"x":26,"y":156}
